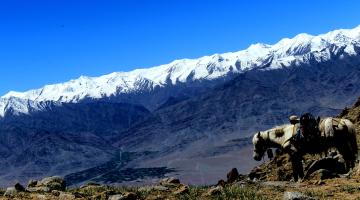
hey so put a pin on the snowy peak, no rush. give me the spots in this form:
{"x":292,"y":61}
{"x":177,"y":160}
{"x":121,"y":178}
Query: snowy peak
{"x":285,"y":53}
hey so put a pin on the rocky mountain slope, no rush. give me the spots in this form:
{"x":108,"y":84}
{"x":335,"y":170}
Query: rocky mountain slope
{"x":353,"y":113}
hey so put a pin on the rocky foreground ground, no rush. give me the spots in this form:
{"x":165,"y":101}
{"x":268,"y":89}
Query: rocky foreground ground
{"x":236,"y":187}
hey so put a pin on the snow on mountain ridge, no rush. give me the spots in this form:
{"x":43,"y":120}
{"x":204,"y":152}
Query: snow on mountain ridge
{"x":284,"y":53}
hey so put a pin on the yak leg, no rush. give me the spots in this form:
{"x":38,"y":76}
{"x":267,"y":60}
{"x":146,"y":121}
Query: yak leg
{"x":348,"y":155}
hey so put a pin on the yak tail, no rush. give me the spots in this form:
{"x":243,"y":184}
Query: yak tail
{"x":354,"y":144}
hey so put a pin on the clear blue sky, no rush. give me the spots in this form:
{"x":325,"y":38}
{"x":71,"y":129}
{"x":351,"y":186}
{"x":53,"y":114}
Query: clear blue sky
{"x":50,"y":41}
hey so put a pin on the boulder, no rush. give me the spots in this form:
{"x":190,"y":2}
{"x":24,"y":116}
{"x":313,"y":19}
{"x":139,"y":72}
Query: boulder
{"x":322,"y":174}
{"x":53,"y":183}
{"x":331,"y":166}
{"x":19,"y":187}
{"x":232,"y":176}
{"x":296,"y":196}
{"x":47,"y":184}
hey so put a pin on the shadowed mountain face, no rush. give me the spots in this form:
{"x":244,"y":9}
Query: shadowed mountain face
{"x":205,"y":126}
{"x":164,"y":96}
{"x":252,"y":101}
{"x":196,"y":131}
{"x":62,"y":139}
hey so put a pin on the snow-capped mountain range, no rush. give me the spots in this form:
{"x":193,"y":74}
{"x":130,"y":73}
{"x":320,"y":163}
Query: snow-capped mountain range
{"x":287,"y":52}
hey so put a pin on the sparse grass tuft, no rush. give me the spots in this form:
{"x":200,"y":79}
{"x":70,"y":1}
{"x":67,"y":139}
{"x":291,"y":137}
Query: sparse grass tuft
{"x":240,"y":193}
{"x":349,"y":189}
{"x":230,"y":192}
{"x":317,"y":193}
{"x":194,"y":193}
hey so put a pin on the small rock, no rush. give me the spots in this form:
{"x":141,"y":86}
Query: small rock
{"x":126,"y":196}
{"x":116,"y":197}
{"x":221,"y":183}
{"x":170,"y":180}
{"x":184,"y":189}
{"x":93,"y":188}
{"x":55,"y":193}
{"x":232,"y":175}
{"x":240,"y":184}
{"x":10,"y":192}
{"x":19,"y":187}
{"x":215,"y":191}
{"x":32,"y":183}
{"x":79,"y":194}
{"x":320,"y":182}
{"x":41,"y":196}
{"x":104,"y":195}
{"x":160,"y":188}
{"x":296,"y":196}
{"x":130,"y":196}
{"x":38,"y":189}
